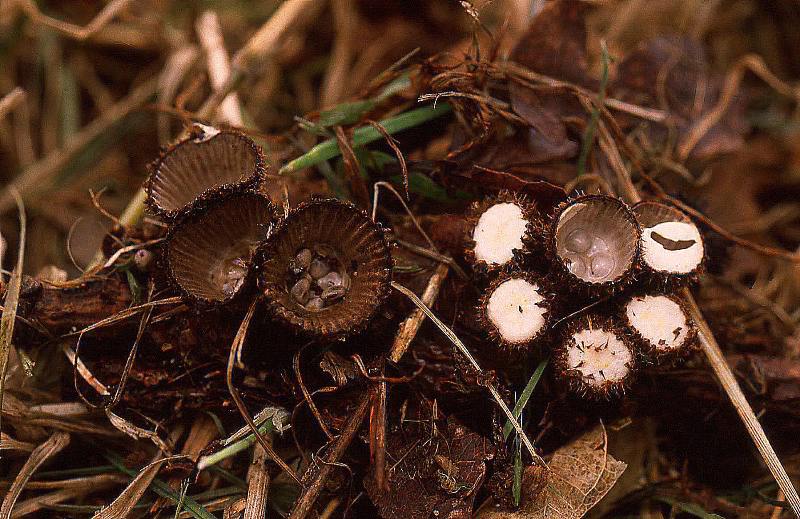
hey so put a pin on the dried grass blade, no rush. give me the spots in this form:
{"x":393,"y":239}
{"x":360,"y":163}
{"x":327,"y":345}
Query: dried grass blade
{"x":40,"y":454}
{"x":12,"y":299}
{"x":748,"y":417}
{"x":162,"y":489}
{"x":463,"y":349}
{"x":236,"y":348}
{"x":124,"y":503}
{"x":257,"y":485}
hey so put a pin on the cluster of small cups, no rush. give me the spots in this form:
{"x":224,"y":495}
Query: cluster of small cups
{"x":322,"y":268}
{"x":610,"y":271}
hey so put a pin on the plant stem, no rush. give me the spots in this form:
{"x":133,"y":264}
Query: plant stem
{"x":588,"y":134}
{"x":525,"y":396}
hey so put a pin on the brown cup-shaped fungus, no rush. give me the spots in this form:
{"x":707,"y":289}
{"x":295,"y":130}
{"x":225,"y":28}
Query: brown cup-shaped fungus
{"x":514,"y":311}
{"x":205,"y":162}
{"x":210,"y":248}
{"x":594,"y":240}
{"x":326,"y":269}
{"x":673,"y":250}
{"x":660,"y":324}
{"x":499,"y":228}
{"x":594,"y":358}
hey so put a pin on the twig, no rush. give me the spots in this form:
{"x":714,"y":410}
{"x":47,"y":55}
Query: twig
{"x":728,"y":382}
{"x":10,"y":101}
{"x":71,"y":30}
{"x":401,"y":159}
{"x":12,"y":299}
{"x":588,"y":134}
{"x":307,"y":396}
{"x":409,"y":328}
{"x":317,"y":474}
{"x":260,"y":46}
{"x":257,"y":485}
{"x":739,"y":401}
{"x":649,"y":114}
{"x":40,"y":454}
{"x":750,"y":62}
{"x":236,"y":347}
{"x":441,"y":258}
{"x":463,"y":349}
{"x":209,"y":34}
{"x":747,"y":244}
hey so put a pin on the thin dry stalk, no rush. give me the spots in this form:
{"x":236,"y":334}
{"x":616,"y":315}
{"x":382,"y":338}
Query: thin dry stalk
{"x":46,"y":168}
{"x":70,"y":30}
{"x":752,"y":63}
{"x":12,"y":300}
{"x":648,"y":114}
{"x":317,"y":474}
{"x":728,"y":382}
{"x":409,"y":328}
{"x":257,"y":485}
{"x":307,"y":395}
{"x":11,"y":101}
{"x":40,"y":454}
{"x":262,"y":45}
{"x":202,"y":433}
{"x":236,"y":348}
{"x":464,"y":351}
{"x":335,"y":84}
{"x":209,"y":33}
{"x":177,"y":66}
{"x":84,"y":371}
{"x":7,"y":443}
{"x":124,"y":503}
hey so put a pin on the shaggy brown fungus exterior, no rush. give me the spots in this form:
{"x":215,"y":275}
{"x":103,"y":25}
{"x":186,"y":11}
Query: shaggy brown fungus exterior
{"x":326,"y":269}
{"x":594,"y":358}
{"x":499,"y":229}
{"x":514,"y":311}
{"x":673,"y":249}
{"x":594,"y":241}
{"x":209,"y":250}
{"x":203,"y":163}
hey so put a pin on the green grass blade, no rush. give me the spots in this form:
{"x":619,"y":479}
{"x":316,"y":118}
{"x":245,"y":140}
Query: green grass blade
{"x":162,"y":489}
{"x":234,"y":448}
{"x":525,"y":396}
{"x":516,"y":489}
{"x":329,"y":149}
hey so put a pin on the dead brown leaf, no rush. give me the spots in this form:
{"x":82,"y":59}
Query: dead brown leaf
{"x":579,"y":475}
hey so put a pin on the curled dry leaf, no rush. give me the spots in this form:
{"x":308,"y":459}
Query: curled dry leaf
{"x":579,"y":475}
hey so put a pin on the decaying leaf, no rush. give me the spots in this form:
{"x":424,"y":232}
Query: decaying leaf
{"x":579,"y":475}
{"x":438,"y":474}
